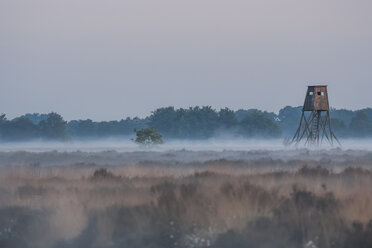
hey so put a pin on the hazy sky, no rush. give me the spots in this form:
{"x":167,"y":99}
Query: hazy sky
{"x":111,"y":59}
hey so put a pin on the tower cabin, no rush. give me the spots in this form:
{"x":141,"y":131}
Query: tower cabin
{"x":316,"y":125}
{"x":316,"y":98}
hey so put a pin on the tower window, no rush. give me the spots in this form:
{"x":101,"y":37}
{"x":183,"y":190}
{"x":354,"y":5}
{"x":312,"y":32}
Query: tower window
{"x":320,"y":93}
{"x":311,"y":93}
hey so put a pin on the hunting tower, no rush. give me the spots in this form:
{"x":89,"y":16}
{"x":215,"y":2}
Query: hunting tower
{"x":315,"y":123}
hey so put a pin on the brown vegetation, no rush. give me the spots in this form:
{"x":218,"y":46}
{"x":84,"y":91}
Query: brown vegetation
{"x":223,"y":204}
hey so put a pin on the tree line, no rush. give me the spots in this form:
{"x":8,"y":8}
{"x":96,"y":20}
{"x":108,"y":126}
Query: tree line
{"x":183,"y":123}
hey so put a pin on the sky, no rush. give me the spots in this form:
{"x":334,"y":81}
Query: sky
{"x":112,"y":59}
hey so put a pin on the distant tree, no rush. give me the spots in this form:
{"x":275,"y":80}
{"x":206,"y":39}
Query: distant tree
{"x":166,"y":120}
{"x":195,"y":123}
{"x":36,"y":118}
{"x":91,"y":129}
{"x":360,"y":125}
{"x":3,"y":120}
{"x":148,"y":137}
{"x":201,"y":122}
{"x":289,"y":119}
{"x":227,"y":118}
{"x":256,"y":125}
{"x":343,"y":114}
{"x":53,"y":127}
{"x":368,"y":112}
{"x":242,"y":113}
{"x":339,"y":127}
{"x":21,"y":129}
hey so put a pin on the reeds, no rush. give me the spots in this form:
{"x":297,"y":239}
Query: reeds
{"x":212,"y":206}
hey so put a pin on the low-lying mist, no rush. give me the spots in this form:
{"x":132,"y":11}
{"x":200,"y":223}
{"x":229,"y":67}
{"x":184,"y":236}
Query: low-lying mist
{"x":197,"y":194}
{"x":213,"y":144}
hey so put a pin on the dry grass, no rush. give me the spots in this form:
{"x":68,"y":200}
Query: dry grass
{"x":221,"y":204}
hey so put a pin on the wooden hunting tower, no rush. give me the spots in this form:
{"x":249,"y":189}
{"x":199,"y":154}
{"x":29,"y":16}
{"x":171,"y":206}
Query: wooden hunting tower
{"x":315,"y":123}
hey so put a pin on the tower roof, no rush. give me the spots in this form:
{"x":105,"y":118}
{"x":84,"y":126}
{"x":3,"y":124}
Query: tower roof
{"x":318,"y":85}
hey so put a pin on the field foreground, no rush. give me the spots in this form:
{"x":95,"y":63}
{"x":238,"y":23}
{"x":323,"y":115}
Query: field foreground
{"x":283,"y":198}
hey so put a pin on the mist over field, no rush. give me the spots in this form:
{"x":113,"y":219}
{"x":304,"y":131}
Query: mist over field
{"x":127,"y":145}
{"x":207,"y":194}
{"x":218,"y":181}
{"x":214,"y":144}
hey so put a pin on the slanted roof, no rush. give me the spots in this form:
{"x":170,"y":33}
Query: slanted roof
{"x":317,"y":85}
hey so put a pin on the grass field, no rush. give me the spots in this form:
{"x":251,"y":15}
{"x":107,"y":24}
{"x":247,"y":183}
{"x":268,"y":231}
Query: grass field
{"x":186,"y":199}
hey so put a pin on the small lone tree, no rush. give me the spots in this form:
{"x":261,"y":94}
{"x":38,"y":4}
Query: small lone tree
{"x":148,"y":137}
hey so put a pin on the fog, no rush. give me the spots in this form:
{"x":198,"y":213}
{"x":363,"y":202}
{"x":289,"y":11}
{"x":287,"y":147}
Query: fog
{"x":214,"y":144}
{"x":184,"y":194}
{"x":127,"y":145}
{"x":192,"y":154}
